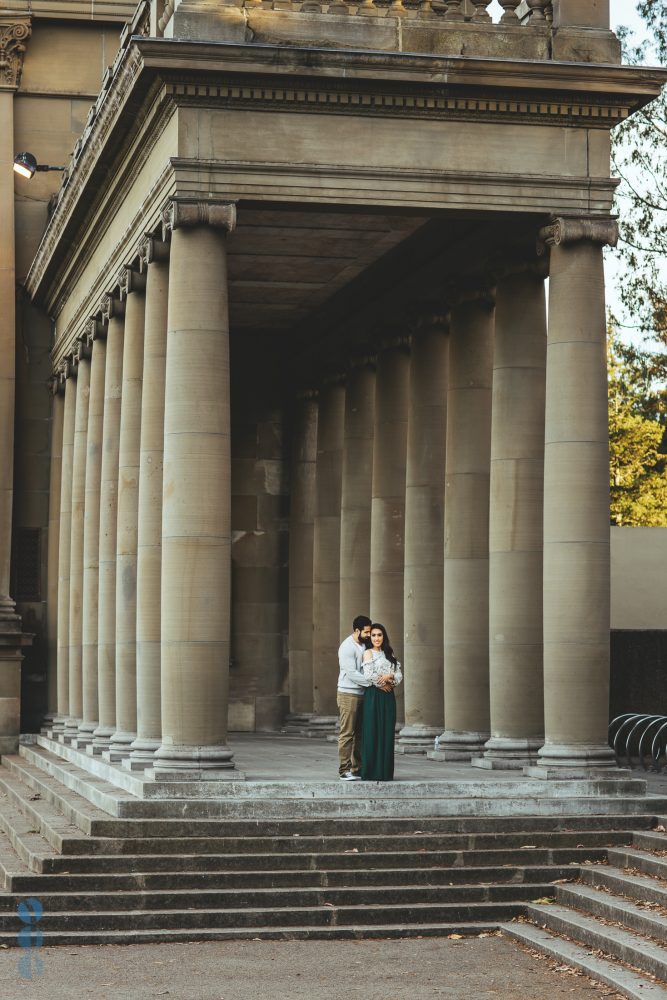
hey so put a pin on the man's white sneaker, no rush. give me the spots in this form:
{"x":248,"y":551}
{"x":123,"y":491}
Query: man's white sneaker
{"x":348,"y":776}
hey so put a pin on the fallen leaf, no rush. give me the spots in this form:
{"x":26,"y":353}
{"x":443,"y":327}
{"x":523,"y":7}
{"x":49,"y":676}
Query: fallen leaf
{"x":455,"y":937}
{"x":544,"y":900}
{"x":528,"y":847}
{"x":659,"y":828}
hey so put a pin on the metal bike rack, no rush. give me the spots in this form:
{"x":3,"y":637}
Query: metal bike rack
{"x":630,"y":736}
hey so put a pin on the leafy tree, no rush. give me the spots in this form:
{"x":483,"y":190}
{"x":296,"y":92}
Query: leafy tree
{"x":638,"y":370}
{"x":638,"y":460}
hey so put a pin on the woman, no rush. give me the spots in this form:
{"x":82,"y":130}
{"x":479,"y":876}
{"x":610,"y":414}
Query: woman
{"x":382,"y":668}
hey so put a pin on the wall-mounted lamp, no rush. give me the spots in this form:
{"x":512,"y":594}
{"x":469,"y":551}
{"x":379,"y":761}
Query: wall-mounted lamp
{"x":26,"y":165}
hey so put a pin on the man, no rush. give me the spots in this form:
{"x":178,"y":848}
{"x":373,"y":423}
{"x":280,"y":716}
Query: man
{"x":351,"y":684}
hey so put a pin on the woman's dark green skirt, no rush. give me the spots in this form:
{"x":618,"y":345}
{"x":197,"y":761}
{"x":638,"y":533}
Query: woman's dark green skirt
{"x":377,"y":735}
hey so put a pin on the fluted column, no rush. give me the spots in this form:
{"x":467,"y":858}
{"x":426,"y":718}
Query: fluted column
{"x":326,"y":555}
{"x":388,"y":494}
{"x":357,"y":482}
{"x":91,"y":533}
{"x":196,"y":542}
{"x":515,"y":523}
{"x":466,"y":598}
{"x":64,"y":547}
{"x":57,"y":421}
{"x":576,"y":503}
{"x":424,"y":535}
{"x":106,"y":629}
{"x":301,"y":528}
{"x":75,"y":688}
{"x":132,"y":291}
{"x":155,"y":263}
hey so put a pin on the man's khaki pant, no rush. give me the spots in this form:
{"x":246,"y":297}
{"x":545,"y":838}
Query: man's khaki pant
{"x":349,"y":734}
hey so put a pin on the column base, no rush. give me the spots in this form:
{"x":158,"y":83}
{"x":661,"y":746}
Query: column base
{"x":504,"y":754}
{"x":119,"y":747}
{"x":85,"y":735}
{"x":454,"y":745}
{"x":322,"y":726}
{"x":71,"y":730}
{"x":417,"y":739}
{"x":101,"y":741}
{"x":142,"y":754}
{"x":560,"y":760}
{"x":193,"y":763}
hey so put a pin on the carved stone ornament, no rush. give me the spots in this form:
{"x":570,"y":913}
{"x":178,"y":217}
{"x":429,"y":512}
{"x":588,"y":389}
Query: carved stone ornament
{"x":564,"y":230}
{"x":111,"y":306}
{"x":95,"y":329}
{"x":129,"y":281}
{"x":14,"y":34}
{"x":427,"y":320}
{"x":57,"y":383}
{"x":188,"y":214}
{"x":307,"y":394}
{"x":152,"y":249}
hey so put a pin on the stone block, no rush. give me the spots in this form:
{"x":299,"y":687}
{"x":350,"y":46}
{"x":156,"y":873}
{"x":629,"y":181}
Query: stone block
{"x":470,"y":40}
{"x":585,"y":45}
{"x":334,"y":31}
{"x":583,"y":13}
{"x":270,"y":712}
{"x":241,"y":715}
{"x":244,"y":513}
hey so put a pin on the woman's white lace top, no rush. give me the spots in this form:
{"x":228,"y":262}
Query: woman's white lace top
{"x":379,"y":666}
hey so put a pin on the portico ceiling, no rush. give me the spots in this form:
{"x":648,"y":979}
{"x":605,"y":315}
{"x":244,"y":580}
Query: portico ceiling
{"x":285,"y":264}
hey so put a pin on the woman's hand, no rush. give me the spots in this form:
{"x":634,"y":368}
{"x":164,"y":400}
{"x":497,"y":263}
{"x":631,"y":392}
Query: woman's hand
{"x":386,"y":679}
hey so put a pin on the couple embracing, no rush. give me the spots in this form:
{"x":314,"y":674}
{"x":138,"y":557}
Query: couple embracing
{"x":369,"y":672}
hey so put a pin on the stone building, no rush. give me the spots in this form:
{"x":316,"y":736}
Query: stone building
{"x":290,"y":301}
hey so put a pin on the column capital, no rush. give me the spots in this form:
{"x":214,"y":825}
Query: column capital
{"x":182,"y":213}
{"x":57,"y":384}
{"x":129,"y":281}
{"x":95,"y":329}
{"x":152,"y":249}
{"x":336,"y":378}
{"x":400,"y":340}
{"x":83,"y":346}
{"x":363,"y":361}
{"x":111,"y":306}
{"x":426,"y":319}
{"x":304,"y":395}
{"x":563,"y":230}
{"x":15,"y":31}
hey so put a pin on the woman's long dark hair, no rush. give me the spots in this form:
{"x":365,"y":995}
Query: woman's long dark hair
{"x":386,"y":645}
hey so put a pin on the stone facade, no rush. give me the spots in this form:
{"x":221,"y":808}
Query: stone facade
{"x":295,"y":272}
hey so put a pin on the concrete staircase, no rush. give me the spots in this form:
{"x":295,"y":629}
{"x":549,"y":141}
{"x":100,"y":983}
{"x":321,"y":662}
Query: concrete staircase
{"x":282,"y":860}
{"x":612,"y":921}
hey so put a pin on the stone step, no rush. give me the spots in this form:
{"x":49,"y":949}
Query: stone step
{"x":107,"y":863}
{"x":23,"y":836}
{"x":637,"y":887}
{"x":626,"y":982}
{"x":42,"y":817}
{"x":352,"y":932}
{"x":599,"y":903}
{"x":181,"y":900}
{"x":649,"y":840}
{"x":650,"y":864}
{"x":336,"y":844}
{"x":76,"y":808}
{"x":614,"y":942}
{"x":26,"y":882}
{"x":244,"y":917}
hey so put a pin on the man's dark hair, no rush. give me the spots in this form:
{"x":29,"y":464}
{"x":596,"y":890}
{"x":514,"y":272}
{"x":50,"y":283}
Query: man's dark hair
{"x":361,"y":621}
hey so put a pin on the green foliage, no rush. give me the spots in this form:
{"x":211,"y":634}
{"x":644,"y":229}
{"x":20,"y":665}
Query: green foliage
{"x":638,"y":374}
{"x":637,"y":441}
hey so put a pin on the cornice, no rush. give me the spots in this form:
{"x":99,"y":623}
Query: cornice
{"x":340,"y":81}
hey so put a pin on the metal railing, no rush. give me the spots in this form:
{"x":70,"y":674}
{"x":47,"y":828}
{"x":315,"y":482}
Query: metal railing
{"x":636,"y":737}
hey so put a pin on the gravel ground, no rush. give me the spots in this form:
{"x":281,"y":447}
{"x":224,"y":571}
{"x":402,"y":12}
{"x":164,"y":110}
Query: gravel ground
{"x":470,"y":969}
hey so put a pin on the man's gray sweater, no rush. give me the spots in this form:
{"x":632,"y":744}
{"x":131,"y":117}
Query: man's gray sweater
{"x":350,"y":656}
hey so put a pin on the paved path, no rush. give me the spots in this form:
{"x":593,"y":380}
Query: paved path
{"x":472,"y":969}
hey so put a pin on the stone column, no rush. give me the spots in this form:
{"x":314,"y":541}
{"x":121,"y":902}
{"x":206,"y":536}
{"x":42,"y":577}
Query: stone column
{"x":155,"y":264}
{"x":424,"y":535}
{"x":64,"y":548}
{"x":355,"y":505}
{"x":326,"y":557}
{"x":196,"y":543}
{"x":466,"y":603}
{"x":301,"y":528}
{"x":74,"y":631}
{"x":576,"y":503}
{"x":114,"y":312}
{"x":515,"y":523}
{"x":14,"y":34}
{"x":132,"y":292}
{"x":388,"y":494}
{"x":57,"y":420}
{"x":91,"y":533}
